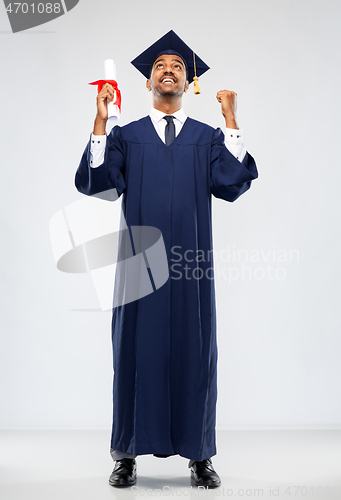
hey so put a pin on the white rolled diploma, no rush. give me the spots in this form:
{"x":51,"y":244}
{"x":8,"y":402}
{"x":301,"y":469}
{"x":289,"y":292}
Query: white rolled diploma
{"x":110,"y":74}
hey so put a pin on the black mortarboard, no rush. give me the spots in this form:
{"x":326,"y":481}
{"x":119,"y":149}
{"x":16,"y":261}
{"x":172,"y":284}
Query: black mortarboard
{"x":170,"y":43}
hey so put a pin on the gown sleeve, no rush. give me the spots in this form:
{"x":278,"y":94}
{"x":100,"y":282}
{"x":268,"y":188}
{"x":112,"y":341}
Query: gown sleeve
{"x":230,"y":178}
{"x":107,"y":176}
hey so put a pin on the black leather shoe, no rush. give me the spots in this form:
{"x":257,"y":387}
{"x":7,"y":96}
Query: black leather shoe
{"x":203,"y":474}
{"x":124,"y":473}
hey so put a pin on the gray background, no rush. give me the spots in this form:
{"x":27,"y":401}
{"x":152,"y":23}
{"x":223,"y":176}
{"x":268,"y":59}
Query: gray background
{"x":279,"y":340}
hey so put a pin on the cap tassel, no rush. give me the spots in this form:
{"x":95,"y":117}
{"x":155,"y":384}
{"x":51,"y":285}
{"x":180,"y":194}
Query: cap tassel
{"x":195,"y":78}
{"x":196,"y":85}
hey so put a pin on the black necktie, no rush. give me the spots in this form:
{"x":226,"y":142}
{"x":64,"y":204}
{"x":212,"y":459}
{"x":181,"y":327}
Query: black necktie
{"x":170,"y":129}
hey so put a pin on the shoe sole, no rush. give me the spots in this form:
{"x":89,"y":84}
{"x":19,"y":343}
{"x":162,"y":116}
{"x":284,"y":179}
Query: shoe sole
{"x":120,"y":485}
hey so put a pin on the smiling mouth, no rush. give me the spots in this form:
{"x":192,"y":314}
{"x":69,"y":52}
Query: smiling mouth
{"x":167,"y":80}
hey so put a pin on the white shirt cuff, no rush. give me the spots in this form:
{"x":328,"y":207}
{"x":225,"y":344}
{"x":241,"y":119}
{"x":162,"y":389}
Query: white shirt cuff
{"x":234,"y":142}
{"x":97,"y":150}
{"x":98,"y":142}
{"x":234,"y":134}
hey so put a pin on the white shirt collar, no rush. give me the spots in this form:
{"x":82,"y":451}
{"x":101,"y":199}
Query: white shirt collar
{"x":157,"y":115}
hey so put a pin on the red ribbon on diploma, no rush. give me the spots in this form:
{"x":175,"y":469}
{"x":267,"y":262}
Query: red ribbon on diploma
{"x":100,"y":84}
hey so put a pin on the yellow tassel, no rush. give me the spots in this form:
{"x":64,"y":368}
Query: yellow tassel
{"x":196,"y":85}
{"x":195,"y":78}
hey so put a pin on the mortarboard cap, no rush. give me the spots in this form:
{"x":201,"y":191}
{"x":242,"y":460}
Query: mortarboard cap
{"x":171,"y":43}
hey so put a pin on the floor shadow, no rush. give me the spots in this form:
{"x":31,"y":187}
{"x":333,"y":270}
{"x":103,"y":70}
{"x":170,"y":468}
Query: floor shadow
{"x":148,"y":482}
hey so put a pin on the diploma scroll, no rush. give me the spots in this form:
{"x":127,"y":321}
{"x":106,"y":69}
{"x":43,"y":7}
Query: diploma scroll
{"x":114,"y":107}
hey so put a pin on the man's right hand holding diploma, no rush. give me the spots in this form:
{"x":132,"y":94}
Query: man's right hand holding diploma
{"x":106,"y":95}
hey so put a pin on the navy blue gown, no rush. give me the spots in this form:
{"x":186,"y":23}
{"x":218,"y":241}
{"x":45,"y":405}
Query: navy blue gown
{"x":164,"y":344}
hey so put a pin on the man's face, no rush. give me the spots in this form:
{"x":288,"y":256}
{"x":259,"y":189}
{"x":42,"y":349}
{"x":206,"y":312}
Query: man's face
{"x":168,"y":76}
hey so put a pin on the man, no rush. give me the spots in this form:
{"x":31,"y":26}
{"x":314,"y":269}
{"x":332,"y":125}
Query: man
{"x":167,"y":166}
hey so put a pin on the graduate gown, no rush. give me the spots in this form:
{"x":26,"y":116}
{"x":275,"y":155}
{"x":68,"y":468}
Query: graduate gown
{"x":164,"y":344}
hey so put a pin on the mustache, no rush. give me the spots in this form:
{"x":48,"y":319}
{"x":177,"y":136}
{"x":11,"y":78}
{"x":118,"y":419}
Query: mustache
{"x":169,"y":75}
